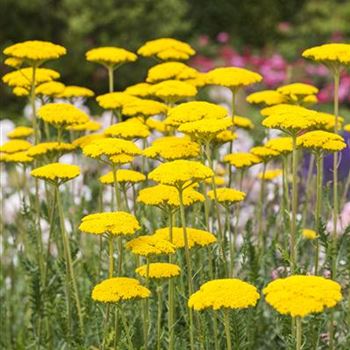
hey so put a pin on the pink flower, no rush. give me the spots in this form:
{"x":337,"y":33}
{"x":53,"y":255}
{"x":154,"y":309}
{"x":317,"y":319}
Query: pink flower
{"x":203,"y":40}
{"x":223,"y":37}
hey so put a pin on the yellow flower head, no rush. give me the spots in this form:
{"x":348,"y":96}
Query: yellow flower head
{"x":159,"y":270}
{"x":225,"y":136}
{"x":173,"y":90}
{"x":270,"y":175}
{"x":280,"y":108}
{"x":14,"y":146}
{"x":193,"y":111}
{"x":91,"y":125}
{"x":20,"y":132}
{"x":228,"y":293}
{"x":110,"y":56}
{"x":35,"y":51}
{"x":196,"y":238}
{"x":264,"y":153}
{"x":155,"y":124}
{"x":319,"y":140}
{"x":150,"y":245}
{"x":144,"y":108}
{"x":283,"y":145}
{"x":326,"y":121}
{"x":21,"y":91}
{"x":75,"y":91}
{"x":121,"y":159}
{"x":266,"y":97}
{"x":50,"y":148}
{"x":233,"y":77}
{"x":164,"y":196}
{"x":62,"y":114}
{"x":170,"y":70}
{"x":17,"y":157}
{"x":179,"y":173}
{"x":138,"y":90}
{"x":123,"y":176}
{"x":56,"y":172}
{"x":172,"y":148}
{"x":227,"y":196}
{"x":13,"y":62}
{"x":205,"y":129}
{"x":292,"y":121}
{"x":199,"y":81}
{"x":166,"y":49}
{"x":309,"y":234}
{"x":242,"y":122}
{"x":114,"y":100}
{"x":219,"y":180}
{"x":130,"y":129}
{"x":51,"y":89}
{"x":347,"y":127}
{"x":86,"y":139}
{"x":242,"y":160}
{"x":118,"y":223}
{"x":302,"y":295}
{"x":114,"y":290}
{"x":107,"y":147}
{"x":23,"y":77}
{"x":297,"y":89}
{"x":329,"y":53}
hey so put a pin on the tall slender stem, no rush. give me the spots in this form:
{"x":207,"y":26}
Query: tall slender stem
{"x":293,"y":233}
{"x":261,"y":211}
{"x":110,"y":78}
{"x":111,"y":257}
{"x":318,"y":211}
{"x":159,"y":316}
{"x":233,"y":111}
{"x":298,"y":333}
{"x":227,"y":329}
{"x":171,"y":300}
{"x":127,"y":329}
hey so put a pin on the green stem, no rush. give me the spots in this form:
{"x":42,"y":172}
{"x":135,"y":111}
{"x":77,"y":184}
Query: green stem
{"x":298,"y":333}
{"x":110,"y":78}
{"x":233,"y":111}
{"x":293,"y":233}
{"x":159,"y":316}
{"x":111,"y":257}
{"x":318,"y":211}
{"x":171,"y":292}
{"x":127,"y":330}
{"x":227,"y":329}
{"x":116,"y":187}
{"x":69,"y":262}
{"x":261,"y":211}
{"x":32,"y":102}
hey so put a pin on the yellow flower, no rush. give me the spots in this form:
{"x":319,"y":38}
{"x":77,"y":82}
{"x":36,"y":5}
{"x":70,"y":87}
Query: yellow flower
{"x":173,"y":90}
{"x":121,"y":159}
{"x":228,"y":293}
{"x":150,"y":245}
{"x":50,"y":148}
{"x":21,"y":91}
{"x":347,"y":127}
{"x":138,"y":90}
{"x":195,"y":237}
{"x":270,"y":175}
{"x":114,"y":100}
{"x":164,"y":196}
{"x":283,"y":145}
{"x":297,"y":89}
{"x":110,"y":56}
{"x":319,"y":140}
{"x":242,"y":160}
{"x":309,"y":99}
{"x":227,"y":195}
{"x":14,"y":146}
{"x":267,"y":97}
{"x":179,"y":173}
{"x":170,"y":70}
{"x":75,"y":91}
{"x":123,"y":176}
{"x":242,"y":122}
{"x":199,"y":81}
{"x":130,"y":129}
{"x":114,"y":290}
{"x":35,"y":51}
{"x":166,"y":48}
{"x":205,"y":129}
{"x":144,"y":108}
{"x":233,"y":77}
{"x":107,"y":147}
{"x":62,"y":114}
{"x":329,"y":53}
{"x":159,"y":270}
{"x":309,"y":234}
{"x":91,"y":125}
{"x":193,"y":111}
{"x":17,"y":157}
{"x":23,"y":77}
{"x":56,"y":172}
{"x":155,"y":124}
{"x":20,"y":132}
{"x":327,"y":121}
{"x":280,"y":108}
{"x":302,"y":295}
{"x":117,"y":223}
{"x":172,"y":147}
{"x":13,"y":62}
{"x":86,"y":139}
{"x":225,"y":136}
{"x":264,"y":153}
{"x":219,"y":181}
{"x":51,"y":88}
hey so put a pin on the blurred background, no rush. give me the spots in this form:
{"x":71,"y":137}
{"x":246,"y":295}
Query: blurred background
{"x":266,"y":36}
